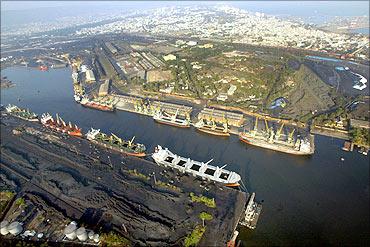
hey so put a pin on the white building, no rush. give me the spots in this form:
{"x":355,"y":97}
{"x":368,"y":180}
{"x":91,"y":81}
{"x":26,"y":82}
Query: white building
{"x":231,"y":90}
{"x":169,"y":57}
{"x":90,"y":76}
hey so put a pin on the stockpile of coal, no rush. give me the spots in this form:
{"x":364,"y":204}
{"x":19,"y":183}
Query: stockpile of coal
{"x":112,"y":191}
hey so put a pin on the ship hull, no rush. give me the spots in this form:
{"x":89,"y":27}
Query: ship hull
{"x":64,"y":130}
{"x":213,"y":132}
{"x":139,"y":154}
{"x":97,"y":107}
{"x":172,"y":123}
{"x":275,"y":147}
{"x":27,"y":119}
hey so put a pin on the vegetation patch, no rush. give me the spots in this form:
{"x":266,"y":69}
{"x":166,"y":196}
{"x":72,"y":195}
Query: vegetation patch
{"x":360,"y":136}
{"x":195,"y":236}
{"x":113,"y":239}
{"x":209,"y":202}
{"x":138,"y":174}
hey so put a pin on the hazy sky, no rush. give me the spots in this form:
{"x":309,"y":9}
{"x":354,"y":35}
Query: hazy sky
{"x":362,"y":7}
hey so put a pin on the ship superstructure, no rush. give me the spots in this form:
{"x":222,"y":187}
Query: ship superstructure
{"x":103,"y":106}
{"x":210,"y":127}
{"x":174,"y":120}
{"x":24,"y":114}
{"x":273,"y":140}
{"x":164,"y":157}
{"x":115,"y":143}
{"x":59,"y":125}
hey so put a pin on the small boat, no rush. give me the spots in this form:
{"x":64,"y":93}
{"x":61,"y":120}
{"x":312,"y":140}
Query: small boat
{"x":43,"y":68}
{"x":252,"y":213}
{"x":164,"y":157}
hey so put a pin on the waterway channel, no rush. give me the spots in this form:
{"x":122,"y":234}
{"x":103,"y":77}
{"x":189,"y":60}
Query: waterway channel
{"x":317,"y":200}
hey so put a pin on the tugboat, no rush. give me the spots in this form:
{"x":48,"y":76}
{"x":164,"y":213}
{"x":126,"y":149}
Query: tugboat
{"x":43,"y":68}
{"x":115,"y":143}
{"x":210,"y":127}
{"x":22,"y":113}
{"x":252,"y":213}
{"x":96,"y":105}
{"x":173,"y":120}
{"x":166,"y":158}
{"x":59,"y":125}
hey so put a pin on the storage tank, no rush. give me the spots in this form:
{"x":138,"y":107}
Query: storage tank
{"x":15,"y":228}
{"x":91,"y":235}
{"x":70,"y":230}
{"x":96,"y":238}
{"x":4,"y":227}
{"x":81,"y":234}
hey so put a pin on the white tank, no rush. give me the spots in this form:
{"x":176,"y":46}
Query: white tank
{"x":70,"y":230}
{"x":4,"y":227}
{"x":15,"y":228}
{"x":96,"y":238}
{"x":81,"y":234}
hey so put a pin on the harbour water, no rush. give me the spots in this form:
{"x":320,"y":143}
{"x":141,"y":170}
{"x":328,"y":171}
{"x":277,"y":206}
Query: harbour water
{"x":317,"y":200}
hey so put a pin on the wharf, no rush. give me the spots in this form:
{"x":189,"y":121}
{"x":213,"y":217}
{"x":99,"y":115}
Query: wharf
{"x":152,"y":202}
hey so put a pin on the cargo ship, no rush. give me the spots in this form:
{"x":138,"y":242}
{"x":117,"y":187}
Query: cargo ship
{"x":252,"y":213}
{"x":210,"y":127}
{"x":164,"y":157}
{"x":59,"y":125}
{"x":271,"y":140}
{"x":96,"y":105}
{"x":173,"y":120}
{"x":115,"y":143}
{"x":24,"y":114}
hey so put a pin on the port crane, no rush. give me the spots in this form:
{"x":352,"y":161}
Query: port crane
{"x":278,"y":133}
{"x":290,"y":137}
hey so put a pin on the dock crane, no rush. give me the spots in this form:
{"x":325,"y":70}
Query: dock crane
{"x":254,"y":131}
{"x":290,"y":137}
{"x":278,"y":133}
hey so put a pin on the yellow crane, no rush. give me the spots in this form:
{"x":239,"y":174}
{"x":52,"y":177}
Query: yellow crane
{"x":278,"y":133}
{"x":290,"y":137}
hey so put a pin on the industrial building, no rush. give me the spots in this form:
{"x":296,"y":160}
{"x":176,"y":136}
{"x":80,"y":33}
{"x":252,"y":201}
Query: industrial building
{"x":90,"y":77}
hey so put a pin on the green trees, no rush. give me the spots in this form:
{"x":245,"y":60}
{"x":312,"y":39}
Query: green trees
{"x":360,"y":136}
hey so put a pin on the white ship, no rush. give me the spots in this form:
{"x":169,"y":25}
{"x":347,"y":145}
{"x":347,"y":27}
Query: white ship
{"x":252,"y":213}
{"x":219,"y":174}
{"x":173,"y":120}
